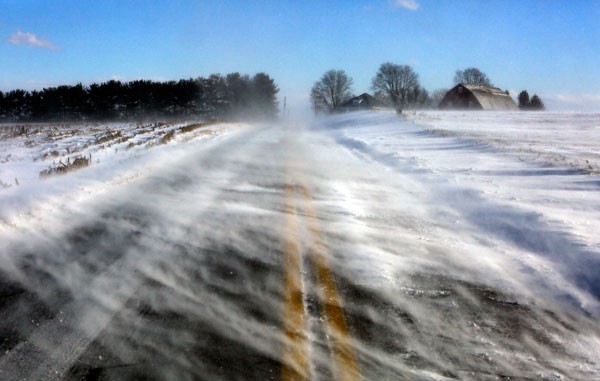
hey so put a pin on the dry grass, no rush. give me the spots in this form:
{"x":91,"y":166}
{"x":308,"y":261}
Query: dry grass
{"x":63,"y":168}
{"x":192,"y":127}
{"x":167,"y":137}
{"x":4,"y":185}
{"x":108,"y":137}
{"x":50,"y":154}
{"x":103,"y":139}
{"x":14,"y":131}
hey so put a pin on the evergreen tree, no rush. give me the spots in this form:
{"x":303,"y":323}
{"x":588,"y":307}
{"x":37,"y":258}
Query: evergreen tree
{"x":239,"y":92}
{"x":17,"y":105}
{"x":235,"y":95}
{"x":2,"y":107}
{"x":536,"y":103}
{"x":264,"y":92}
{"x":214,"y":99}
{"x":524,"y":102}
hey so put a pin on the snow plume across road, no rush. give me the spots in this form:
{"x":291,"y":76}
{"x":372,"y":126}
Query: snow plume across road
{"x":362,"y":246}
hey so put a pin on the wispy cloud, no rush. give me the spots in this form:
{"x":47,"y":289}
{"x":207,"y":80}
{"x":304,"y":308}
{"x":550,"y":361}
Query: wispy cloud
{"x":21,"y":38}
{"x":411,"y":5}
{"x":571,"y":98}
{"x":572,"y":102}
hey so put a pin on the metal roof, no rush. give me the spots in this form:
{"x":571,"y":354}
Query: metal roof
{"x":491,"y":98}
{"x":364,"y":100}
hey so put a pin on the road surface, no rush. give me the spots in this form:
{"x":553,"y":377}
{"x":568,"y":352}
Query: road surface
{"x":276,"y":252}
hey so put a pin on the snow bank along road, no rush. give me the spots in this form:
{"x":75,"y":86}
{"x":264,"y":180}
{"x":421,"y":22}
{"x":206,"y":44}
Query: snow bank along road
{"x":361,"y":247}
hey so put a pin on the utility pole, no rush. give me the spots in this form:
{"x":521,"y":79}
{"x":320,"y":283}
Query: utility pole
{"x":284,"y":105}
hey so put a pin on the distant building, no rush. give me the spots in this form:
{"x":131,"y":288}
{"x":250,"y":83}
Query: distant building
{"x":361,"y":102}
{"x":477,"y":97}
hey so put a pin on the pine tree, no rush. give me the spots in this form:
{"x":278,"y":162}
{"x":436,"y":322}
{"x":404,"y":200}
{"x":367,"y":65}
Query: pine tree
{"x":536,"y":103}
{"x":524,"y":102}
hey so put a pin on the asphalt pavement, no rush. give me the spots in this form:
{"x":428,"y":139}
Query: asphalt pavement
{"x":246,"y":260}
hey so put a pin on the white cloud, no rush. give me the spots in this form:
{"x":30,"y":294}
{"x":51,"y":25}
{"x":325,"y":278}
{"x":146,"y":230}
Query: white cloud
{"x":411,"y":5}
{"x":21,"y":38}
{"x":572,"y":98}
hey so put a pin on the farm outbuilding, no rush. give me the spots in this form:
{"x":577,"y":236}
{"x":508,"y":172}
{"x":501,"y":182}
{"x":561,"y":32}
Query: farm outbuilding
{"x":361,"y":102}
{"x":477,"y":97}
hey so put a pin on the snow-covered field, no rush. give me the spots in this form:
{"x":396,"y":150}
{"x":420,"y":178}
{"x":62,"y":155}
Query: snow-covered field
{"x":526,"y":184}
{"x":110,"y":150}
{"x":463,"y":246}
{"x":559,"y":139}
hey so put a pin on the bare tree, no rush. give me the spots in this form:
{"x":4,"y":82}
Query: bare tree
{"x":418,"y":97}
{"x":317,"y":100}
{"x":471,"y":76}
{"x":437,"y":96}
{"x":395,"y":81}
{"x":331,"y":90}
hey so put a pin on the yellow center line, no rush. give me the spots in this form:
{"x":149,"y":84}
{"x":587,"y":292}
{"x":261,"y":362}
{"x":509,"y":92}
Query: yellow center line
{"x":343,"y":352}
{"x":294,"y":357}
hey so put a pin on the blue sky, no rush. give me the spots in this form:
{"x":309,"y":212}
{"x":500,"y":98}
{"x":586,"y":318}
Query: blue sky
{"x":547,"y":47}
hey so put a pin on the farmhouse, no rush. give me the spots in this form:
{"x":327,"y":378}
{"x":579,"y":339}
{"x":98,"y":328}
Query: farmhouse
{"x":477,"y":97}
{"x":361,"y":102}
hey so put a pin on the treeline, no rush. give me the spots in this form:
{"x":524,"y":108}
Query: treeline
{"x":396,"y":85}
{"x":535,"y":103}
{"x":231,"y":96}
{"x":399,"y":87}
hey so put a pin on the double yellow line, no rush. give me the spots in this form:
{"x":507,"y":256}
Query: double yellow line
{"x":295,"y":351}
{"x":295,"y":357}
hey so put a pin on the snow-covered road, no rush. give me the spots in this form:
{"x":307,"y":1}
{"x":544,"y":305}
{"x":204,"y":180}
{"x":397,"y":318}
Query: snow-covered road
{"x":362,"y":246}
